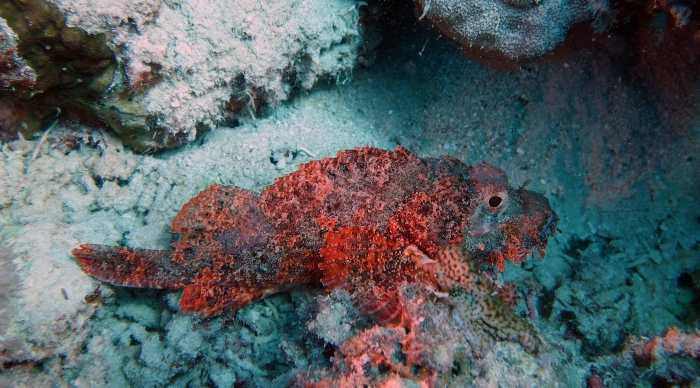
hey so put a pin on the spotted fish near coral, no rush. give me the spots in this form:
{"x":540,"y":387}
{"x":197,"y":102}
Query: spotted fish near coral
{"x":367,"y":221}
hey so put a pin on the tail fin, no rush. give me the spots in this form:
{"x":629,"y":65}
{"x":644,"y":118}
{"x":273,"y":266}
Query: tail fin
{"x":121,"y":266}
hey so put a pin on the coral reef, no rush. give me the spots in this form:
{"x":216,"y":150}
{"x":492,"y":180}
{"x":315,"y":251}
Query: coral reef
{"x":171,"y":348}
{"x":511,"y":30}
{"x":584,"y":128}
{"x":647,"y":351}
{"x":431,"y":336}
{"x":103,"y":192}
{"x":68,"y":62}
{"x":422,"y":351}
{"x":664,"y":361}
{"x":337,"y":319}
{"x":177,"y":68}
{"x":671,"y":359}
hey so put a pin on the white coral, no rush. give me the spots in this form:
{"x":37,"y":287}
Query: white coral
{"x":9,"y":286}
{"x":199,"y":54}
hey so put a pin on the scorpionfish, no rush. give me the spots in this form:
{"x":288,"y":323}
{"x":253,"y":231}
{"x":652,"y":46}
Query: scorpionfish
{"x":365,"y":221}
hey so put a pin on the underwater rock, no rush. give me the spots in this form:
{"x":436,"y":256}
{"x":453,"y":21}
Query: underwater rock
{"x":47,"y":64}
{"x":511,"y":30}
{"x":14,"y":71}
{"x":188,"y":66}
{"x":160,"y":72}
{"x":69,"y":63}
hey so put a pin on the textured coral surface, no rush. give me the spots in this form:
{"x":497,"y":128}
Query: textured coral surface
{"x":508,"y":30}
{"x":14,"y":72}
{"x":190,"y":65}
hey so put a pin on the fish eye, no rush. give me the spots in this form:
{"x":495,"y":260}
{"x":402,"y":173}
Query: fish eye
{"x":496,"y":202}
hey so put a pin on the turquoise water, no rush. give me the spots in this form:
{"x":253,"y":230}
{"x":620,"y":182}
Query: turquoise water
{"x":606,"y":127}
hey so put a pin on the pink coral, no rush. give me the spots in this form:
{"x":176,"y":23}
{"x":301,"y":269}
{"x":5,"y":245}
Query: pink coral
{"x":646,"y":352}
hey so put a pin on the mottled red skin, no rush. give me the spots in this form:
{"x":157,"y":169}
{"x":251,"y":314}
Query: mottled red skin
{"x":350,"y":221}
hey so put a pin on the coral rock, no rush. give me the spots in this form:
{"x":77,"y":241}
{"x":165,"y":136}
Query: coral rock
{"x":14,"y":71}
{"x":46,"y":64}
{"x":512,"y":30}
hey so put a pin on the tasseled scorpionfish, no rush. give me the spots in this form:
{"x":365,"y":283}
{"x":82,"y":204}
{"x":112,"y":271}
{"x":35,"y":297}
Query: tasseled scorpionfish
{"x":366,"y":221}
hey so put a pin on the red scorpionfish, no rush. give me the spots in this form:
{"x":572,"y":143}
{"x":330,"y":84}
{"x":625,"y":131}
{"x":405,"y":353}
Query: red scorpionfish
{"x":367,"y":221}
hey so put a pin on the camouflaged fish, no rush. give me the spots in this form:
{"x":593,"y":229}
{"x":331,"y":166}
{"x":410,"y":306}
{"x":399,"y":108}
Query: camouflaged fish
{"x":366,"y":221}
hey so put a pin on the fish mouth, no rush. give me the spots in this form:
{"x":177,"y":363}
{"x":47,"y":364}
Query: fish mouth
{"x":549,"y":227}
{"x":537,"y":206}
{"x":545,"y":231}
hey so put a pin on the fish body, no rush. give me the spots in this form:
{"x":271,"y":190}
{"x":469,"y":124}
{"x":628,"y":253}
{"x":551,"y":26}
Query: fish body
{"x":367,"y":221}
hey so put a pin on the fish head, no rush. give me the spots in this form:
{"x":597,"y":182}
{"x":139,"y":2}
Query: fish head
{"x":505,"y":223}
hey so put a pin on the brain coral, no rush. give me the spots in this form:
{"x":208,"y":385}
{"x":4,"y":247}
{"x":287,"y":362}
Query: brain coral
{"x":514,"y":30}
